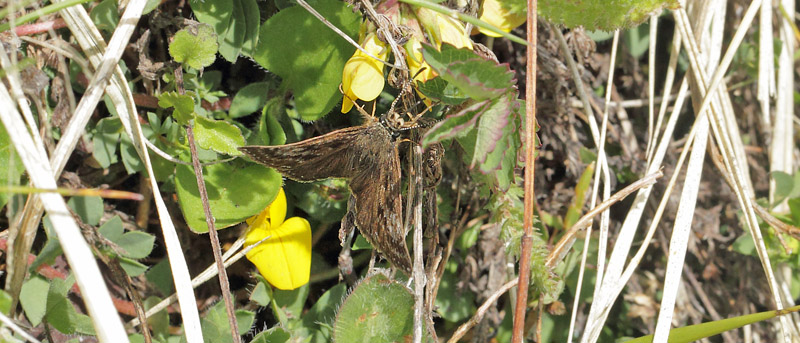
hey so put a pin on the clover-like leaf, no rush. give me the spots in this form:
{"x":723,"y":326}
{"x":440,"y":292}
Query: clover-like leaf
{"x":307,"y":54}
{"x":234,"y":193}
{"x":218,"y":136}
{"x":183,"y":104}
{"x":194,"y":46}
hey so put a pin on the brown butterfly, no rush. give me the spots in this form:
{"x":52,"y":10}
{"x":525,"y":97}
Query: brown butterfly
{"x":368,"y":158}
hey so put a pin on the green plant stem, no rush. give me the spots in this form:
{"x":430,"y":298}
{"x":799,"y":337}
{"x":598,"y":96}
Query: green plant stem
{"x":52,"y":8}
{"x":465,"y":18}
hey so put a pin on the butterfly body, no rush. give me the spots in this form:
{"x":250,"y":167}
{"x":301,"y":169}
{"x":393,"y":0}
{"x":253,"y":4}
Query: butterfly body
{"x":368,"y":158}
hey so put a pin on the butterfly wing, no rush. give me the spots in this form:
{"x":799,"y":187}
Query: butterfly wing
{"x":330,"y":155}
{"x":378,"y":204}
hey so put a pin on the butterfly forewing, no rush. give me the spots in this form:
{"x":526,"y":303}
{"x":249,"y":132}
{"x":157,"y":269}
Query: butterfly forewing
{"x":367,"y":156}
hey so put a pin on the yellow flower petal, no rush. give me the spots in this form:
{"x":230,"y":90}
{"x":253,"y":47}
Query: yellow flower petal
{"x":493,"y":13}
{"x":277,"y":210}
{"x":362,"y":76}
{"x":443,"y":29}
{"x":285,"y":258}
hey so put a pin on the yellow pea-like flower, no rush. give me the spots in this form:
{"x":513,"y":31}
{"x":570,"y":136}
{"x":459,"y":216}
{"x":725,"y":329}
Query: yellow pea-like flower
{"x":284,"y":258}
{"x":362,"y":77}
{"x":493,"y":13}
{"x":443,"y":29}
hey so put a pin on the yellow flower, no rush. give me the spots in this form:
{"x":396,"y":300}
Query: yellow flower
{"x":444,"y":29}
{"x":284,"y":259}
{"x":416,"y":62}
{"x":493,"y":13}
{"x":362,"y":77}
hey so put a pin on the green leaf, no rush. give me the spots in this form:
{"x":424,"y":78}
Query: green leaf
{"x":11,"y":166}
{"x":89,"y":208}
{"x":270,"y":130}
{"x":105,"y":15}
{"x":455,"y":125}
{"x":136,"y":244}
{"x":218,"y":136}
{"x":183,"y":104}
{"x":602,"y":14}
{"x":378,"y":310}
{"x":794,"y":209}
{"x":105,"y":139}
{"x":33,"y":298}
{"x":195,"y":46}
{"x":307,"y":54}
{"x":438,"y":88}
{"x":252,"y":23}
{"x":476,"y":77}
{"x":638,"y":40}
{"x":112,"y":229}
{"x":249,"y":99}
{"x":216,"y":327}
{"x":233,"y":37}
{"x":697,"y":332}
{"x":161,"y":277}
{"x":261,"y":294}
{"x":272,"y":335}
{"x":234,"y":193}
{"x":130,"y":158}
{"x":292,"y":301}
{"x":452,"y":305}
{"x":60,"y":312}
{"x":216,"y":13}
{"x":5,"y":302}
{"x":132,"y":267}
{"x":495,"y":129}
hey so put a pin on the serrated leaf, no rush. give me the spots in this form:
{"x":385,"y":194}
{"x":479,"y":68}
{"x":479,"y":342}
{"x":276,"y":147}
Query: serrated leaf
{"x":602,"y":14}
{"x":493,"y":127}
{"x":233,"y":37}
{"x":216,"y":13}
{"x":480,"y":79}
{"x":195,"y":46}
{"x":455,"y":125}
{"x":218,"y":136}
{"x":439,"y":60}
{"x":476,"y":77}
{"x":183,"y":104}
{"x":307,"y":54}
{"x":249,"y":99}
{"x":234,"y":193}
